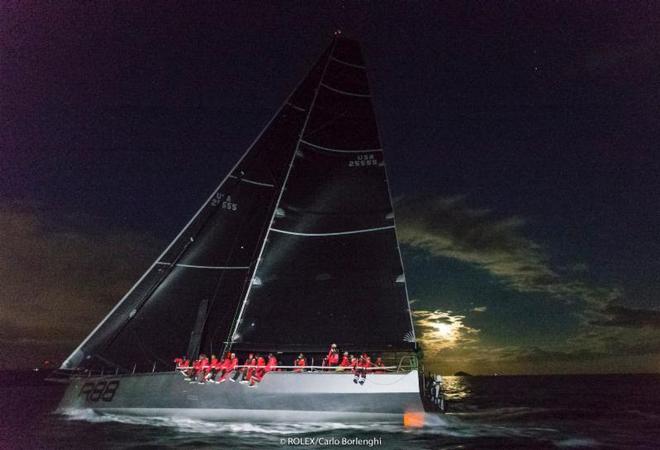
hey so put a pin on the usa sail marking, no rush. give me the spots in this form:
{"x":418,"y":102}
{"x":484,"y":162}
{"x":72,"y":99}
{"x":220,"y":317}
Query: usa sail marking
{"x":225,"y":201}
{"x":363,"y":160}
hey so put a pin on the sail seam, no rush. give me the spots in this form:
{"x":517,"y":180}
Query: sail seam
{"x":339,"y":91}
{"x":357,"y":66}
{"x":340,"y":150}
{"x":337,"y":233}
{"x":235,"y":325}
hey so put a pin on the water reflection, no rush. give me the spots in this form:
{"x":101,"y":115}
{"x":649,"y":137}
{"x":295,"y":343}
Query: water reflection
{"x":456,"y":388}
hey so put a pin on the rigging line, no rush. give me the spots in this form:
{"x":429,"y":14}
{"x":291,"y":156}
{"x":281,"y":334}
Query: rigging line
{"x":357,"y":66}
{"x":232,"y":331}
{"x":339,"y":91}
{"x":340,"y":150}
{"x":338,"y":233}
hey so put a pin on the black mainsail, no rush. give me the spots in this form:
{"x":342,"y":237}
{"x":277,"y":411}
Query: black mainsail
{"x":295,"y":249}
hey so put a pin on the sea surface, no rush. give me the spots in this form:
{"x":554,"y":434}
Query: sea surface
{"x":536,"y":412}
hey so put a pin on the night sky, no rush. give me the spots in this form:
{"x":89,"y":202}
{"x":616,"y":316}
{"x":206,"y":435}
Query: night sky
{"x":521,"y":141}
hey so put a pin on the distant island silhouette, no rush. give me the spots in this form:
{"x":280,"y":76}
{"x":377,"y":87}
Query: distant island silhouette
{"x":462,"y":374}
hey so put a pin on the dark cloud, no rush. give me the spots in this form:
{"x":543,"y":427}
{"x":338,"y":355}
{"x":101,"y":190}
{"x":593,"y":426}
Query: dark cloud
{"x":450,"y":228}
{"x":620,"y":316}
{"x":58,"y":281}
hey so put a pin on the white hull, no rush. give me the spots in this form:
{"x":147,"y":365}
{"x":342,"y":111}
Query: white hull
{"x":280,"y":397}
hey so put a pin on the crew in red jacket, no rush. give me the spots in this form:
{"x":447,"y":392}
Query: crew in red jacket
{"x":380,"y":365}
{"x":250,"y":362}
{"x":345,"y":363}
{"x":229,"y":368}
{"x":300,"y":363}
{"x":333,"y":356}
{"x":259,"y":371}
{"x":212,"y":370}
{"x":354,"y":363}
{"x":272,"y":363}
{"x":203,"y":368}
{"x":361,"y":370}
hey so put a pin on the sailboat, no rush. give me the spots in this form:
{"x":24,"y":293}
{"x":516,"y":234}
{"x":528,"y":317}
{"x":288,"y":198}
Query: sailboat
{"x":294,"y":250}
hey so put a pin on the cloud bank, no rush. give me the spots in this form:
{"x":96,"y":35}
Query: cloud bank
{"x":58,"y":281}
{"x":448,"y":227}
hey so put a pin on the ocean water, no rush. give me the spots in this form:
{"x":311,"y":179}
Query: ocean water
{"x":536,"y":412}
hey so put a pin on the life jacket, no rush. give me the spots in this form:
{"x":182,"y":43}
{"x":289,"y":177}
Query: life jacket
{"x":344,"y":362}
{"x":215,"y":364}
{"x":233,"y":363}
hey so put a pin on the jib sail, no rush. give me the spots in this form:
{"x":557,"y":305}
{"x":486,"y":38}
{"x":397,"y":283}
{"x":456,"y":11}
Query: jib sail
{"x":209,"y":264}
{"x":295,"y":249}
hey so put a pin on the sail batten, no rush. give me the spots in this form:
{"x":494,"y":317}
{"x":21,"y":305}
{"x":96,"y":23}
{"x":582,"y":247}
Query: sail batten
{"x":343,"y":92}
{"x":341,"y":150}
{"x":337,"y":233}
{"x":357,"y":66}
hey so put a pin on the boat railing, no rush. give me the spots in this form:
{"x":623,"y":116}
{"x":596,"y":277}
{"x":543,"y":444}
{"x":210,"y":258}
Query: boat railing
{"x":398,"y":368}
{"x":407,"y":363}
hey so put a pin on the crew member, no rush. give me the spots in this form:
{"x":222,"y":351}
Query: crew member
{"x":345,"y":363}
{"x":214,"y":367}
{"x":380,"y":365}
{"x":250,"y":362}
{"x":333,"y":356}
{"x":229,"y":368}
{"x":300,"y":363}
{"x":361,"y":371}
{"x":203,"y":368}
{"x":354,"y":363}
{"x":272,"y":363}
{"x":259,"y":371}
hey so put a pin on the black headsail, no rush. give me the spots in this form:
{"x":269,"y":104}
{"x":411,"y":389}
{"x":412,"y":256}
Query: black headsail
{"x":330,"y":268}
{"x":188,"y":298}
